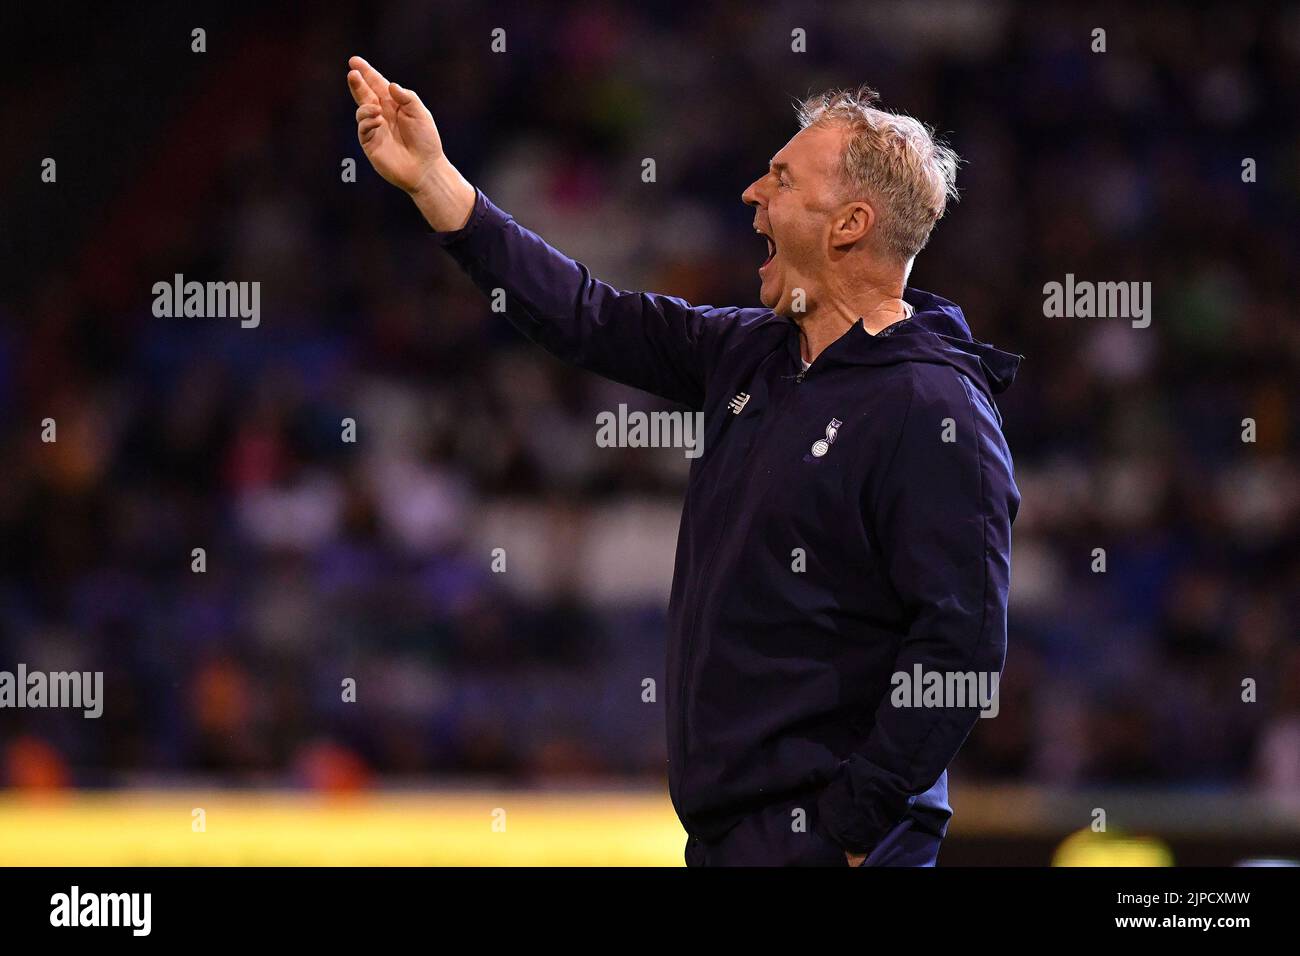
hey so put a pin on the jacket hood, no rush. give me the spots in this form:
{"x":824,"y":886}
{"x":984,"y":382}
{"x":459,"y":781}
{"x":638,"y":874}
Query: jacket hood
{"x":938,"y":334}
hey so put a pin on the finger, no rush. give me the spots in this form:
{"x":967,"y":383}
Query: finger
{"x":361,"y":91}
{"x":366,"y":126}
{"x":368,"y":110}
{"x":405,"y":99}
{"x":374,"y":79}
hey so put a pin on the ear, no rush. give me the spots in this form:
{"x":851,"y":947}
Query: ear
{"x":853,"y":221}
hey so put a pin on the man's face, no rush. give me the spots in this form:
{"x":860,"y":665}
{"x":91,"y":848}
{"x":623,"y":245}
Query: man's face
{"x":793,"y":202}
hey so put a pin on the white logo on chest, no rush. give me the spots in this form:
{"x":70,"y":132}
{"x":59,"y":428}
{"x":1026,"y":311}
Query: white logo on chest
{"x":822,"y":445}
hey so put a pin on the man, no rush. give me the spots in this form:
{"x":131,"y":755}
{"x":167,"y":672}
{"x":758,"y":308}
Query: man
{"x":848,"y":524}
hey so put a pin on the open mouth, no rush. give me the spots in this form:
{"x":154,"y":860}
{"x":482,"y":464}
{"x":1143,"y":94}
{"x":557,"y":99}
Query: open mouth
{"x":771,"y":247}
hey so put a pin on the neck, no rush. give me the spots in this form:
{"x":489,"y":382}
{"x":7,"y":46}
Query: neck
{"x":875,"y":305}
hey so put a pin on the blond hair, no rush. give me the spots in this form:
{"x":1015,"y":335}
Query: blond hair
{"x":891,"y":160}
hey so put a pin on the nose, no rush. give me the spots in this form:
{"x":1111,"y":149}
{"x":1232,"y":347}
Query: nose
{"x":750,"y":196}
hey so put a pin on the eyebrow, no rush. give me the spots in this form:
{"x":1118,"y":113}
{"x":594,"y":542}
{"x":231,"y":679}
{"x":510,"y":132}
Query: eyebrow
{"x":778,"y":167}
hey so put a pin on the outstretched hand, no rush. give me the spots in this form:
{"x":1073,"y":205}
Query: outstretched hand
{"x":396,"y":131}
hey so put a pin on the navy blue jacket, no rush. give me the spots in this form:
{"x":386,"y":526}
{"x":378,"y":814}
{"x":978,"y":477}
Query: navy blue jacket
{"x":778,"y":680}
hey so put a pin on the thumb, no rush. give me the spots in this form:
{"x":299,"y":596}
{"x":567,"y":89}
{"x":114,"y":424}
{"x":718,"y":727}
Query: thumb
{"x":403,"y":97}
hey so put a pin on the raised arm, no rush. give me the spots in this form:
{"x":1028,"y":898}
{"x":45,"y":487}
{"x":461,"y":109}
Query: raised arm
{"x":658,"y":343}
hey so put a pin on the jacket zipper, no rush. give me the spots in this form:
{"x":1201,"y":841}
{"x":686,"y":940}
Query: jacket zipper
{"x":695,"y":623}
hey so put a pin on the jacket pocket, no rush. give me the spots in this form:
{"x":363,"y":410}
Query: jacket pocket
{"x":782,"y":834}
{"x":835,"y":853}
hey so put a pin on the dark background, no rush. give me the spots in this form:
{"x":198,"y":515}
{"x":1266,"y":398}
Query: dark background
{"x":371,"y":560}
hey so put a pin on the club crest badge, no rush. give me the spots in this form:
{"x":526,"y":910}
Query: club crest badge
{"x":822,"y":445}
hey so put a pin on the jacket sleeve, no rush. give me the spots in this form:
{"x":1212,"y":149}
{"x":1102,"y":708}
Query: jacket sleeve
{"x":942,"y":517}
{"x":653,"y":342}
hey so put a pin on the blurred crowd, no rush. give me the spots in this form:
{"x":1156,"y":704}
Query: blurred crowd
{"x":377,"y":560}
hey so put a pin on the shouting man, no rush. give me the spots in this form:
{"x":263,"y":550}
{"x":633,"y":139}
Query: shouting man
{"x":846,"y":533}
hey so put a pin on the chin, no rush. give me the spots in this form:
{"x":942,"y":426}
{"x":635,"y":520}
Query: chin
{"x":770,"y":300}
